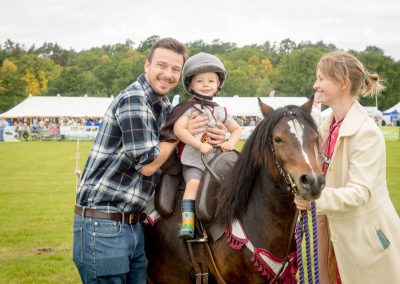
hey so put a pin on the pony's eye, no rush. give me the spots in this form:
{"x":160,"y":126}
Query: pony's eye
{"x":277,"y":140}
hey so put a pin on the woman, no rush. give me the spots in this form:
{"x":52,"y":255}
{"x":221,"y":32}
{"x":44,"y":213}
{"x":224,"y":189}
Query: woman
{"x":359,"y":229}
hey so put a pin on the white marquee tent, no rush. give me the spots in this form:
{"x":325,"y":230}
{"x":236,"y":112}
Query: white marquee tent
{"x":393,"y":110}
{"x":58,"y":106}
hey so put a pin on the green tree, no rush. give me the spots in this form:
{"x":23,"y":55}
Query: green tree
{"x":145,"y":45}
{"x":295,"y":74}
{"x":11,"y":86}
{"x":387,"y":69}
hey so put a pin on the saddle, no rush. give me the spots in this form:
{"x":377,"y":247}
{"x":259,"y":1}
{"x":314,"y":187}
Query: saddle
{"x":167,"y":190}
{"x":172,"y":181}
{"x":221,"y":165}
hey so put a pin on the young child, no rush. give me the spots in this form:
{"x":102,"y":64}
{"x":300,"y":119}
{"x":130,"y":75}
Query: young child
{"x":203,"y":76}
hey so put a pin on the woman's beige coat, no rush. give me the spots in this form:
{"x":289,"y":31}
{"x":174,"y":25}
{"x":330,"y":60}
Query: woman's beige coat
{"x":361,"y":218}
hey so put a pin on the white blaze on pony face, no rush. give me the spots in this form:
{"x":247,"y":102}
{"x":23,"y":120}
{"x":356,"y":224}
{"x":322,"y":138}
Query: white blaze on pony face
{"x":297,"y":129}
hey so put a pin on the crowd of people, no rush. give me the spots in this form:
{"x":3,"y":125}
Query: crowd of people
{"x":45,"y":128}
{"x":42,"y":128}
{"x":247,"y":120}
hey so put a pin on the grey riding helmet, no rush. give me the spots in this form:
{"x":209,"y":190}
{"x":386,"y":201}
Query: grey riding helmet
{"x":201,"y":63}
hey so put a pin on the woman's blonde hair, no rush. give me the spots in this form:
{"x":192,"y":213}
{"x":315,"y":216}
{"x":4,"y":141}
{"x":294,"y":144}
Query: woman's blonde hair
{"x":340,"y":65}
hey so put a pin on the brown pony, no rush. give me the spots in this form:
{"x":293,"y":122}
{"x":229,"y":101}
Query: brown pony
{"x":257,"y":194}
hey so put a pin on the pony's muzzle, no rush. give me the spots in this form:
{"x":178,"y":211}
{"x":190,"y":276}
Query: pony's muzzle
{"x":312,"y":185}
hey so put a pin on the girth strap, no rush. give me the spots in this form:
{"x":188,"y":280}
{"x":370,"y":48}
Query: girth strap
{"x":202,"y":269}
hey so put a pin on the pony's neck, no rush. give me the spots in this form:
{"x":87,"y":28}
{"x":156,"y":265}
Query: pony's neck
{"x":269,"y":215}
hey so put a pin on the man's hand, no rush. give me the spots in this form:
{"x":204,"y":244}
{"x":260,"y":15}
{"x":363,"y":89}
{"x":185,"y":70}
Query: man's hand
{"x":197,"y":123}
{"x":217,"y":135}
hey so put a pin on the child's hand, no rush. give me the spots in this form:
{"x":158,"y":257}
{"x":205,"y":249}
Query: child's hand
{"x":206,"y":148}
{"x":226,"y":146}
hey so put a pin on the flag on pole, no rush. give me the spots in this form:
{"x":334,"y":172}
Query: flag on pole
{"x":77,"y":166}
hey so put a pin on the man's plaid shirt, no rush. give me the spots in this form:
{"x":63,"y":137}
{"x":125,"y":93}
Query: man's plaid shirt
{"x":127,"y":140}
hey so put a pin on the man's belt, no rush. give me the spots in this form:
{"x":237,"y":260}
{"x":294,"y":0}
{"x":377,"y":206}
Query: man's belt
{"x":129,"y":218}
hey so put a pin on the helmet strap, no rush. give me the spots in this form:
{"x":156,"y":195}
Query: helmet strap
{"x":201,"y":98}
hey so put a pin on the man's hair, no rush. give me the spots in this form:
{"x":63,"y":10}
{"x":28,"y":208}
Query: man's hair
{"x":170,"y":44}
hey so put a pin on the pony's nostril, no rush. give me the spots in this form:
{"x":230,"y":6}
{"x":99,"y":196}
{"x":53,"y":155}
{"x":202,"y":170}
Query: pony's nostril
{"x":306,"y":180}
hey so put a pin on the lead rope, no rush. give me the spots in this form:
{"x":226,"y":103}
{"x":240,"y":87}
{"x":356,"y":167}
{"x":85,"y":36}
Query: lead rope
{"x":302,"y":228}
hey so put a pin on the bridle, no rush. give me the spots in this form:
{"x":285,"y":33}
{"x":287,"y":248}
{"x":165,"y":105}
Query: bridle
{"x":293,"y":189}
{"x":288,"y":180}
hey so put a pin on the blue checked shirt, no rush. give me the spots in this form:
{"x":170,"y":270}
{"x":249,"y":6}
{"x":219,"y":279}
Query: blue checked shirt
{"x":127,"y":140}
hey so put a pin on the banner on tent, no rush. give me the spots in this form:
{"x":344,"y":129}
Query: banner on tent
{"x":78,"y":132}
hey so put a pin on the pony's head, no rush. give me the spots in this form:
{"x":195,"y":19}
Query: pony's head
{"x":283,"y":152}
{"x":292,"y":138}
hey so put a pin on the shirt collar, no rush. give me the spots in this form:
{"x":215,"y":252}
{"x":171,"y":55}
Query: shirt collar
{"x":154,"y":99}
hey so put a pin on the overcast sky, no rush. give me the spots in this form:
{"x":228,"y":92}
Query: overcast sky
{"x":82,"y":24}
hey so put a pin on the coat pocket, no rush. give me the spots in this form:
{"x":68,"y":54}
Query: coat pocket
{"x":376,"y":238}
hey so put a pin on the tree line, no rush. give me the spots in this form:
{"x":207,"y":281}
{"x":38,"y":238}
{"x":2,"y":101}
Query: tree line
{"x":253,"y":70}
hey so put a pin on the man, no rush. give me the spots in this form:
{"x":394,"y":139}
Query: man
{"x":108,"y":237}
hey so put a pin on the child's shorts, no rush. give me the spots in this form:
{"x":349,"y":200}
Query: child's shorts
{"x":190,"y":173}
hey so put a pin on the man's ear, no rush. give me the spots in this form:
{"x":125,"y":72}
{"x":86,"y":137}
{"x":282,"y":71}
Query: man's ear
{"x":146,"y":66}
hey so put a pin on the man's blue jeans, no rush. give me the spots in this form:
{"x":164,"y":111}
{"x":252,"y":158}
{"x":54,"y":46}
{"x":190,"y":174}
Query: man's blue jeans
{"x":107,"y":251}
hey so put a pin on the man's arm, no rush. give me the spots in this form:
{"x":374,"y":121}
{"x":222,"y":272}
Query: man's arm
{"x":166,"y":149}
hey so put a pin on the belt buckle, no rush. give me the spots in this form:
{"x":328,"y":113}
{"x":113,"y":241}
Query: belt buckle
{"x":131,"y":216}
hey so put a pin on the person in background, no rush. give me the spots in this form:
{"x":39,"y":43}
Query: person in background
{"x":359,"y":228}
{"x":108,"y":245}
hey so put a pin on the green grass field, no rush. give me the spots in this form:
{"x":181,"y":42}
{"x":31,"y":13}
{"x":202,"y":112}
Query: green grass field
{"x":37,"y":194}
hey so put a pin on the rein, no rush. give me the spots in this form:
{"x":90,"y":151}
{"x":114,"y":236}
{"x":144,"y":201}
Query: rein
{"x":207,"y":166}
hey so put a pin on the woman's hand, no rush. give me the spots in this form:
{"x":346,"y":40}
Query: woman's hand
{"x":302,"y":204}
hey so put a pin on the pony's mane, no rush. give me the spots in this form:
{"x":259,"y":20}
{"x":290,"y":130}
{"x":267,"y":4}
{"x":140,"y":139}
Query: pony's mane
{"x":235,"y":193}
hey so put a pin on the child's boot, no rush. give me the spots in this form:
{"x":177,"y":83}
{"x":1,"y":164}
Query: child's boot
{"x":187,"y":230}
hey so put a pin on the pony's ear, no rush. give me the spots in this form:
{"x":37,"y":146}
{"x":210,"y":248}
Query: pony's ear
{"x":266,"y":110}
{"x":308,"y":105}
